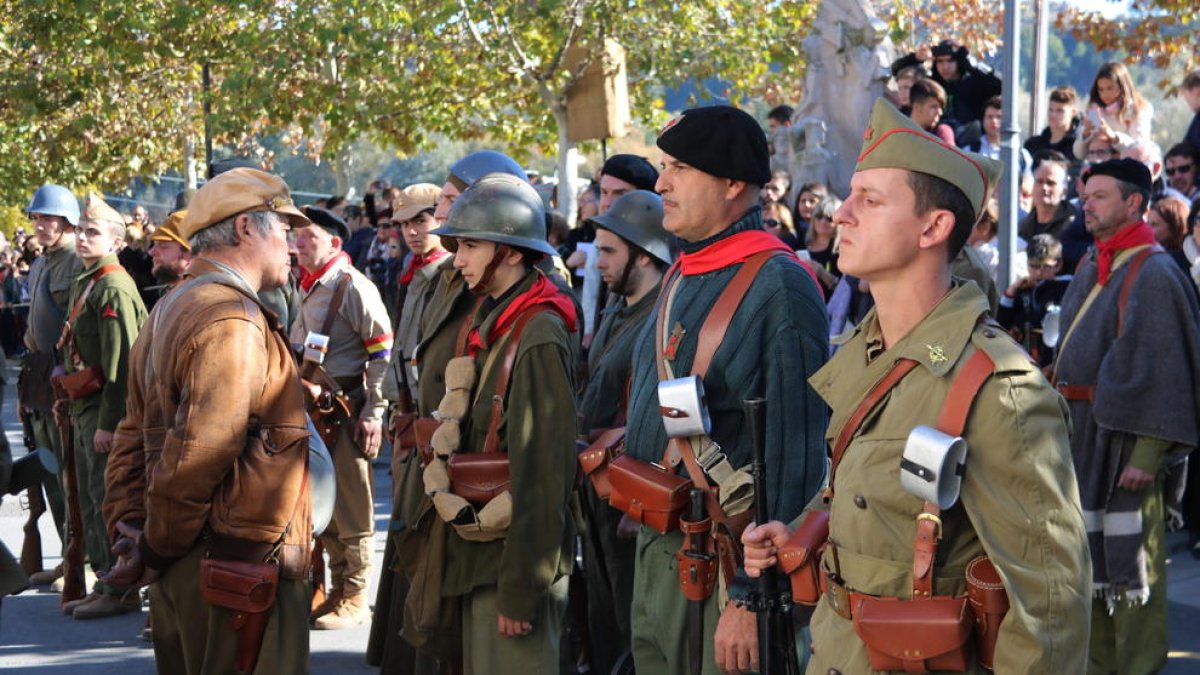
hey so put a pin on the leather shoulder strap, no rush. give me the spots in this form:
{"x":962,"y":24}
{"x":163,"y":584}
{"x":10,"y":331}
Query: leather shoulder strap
{"x":335,"y":303}
{"x":68,"y":325}
{"x":464,"y":331}
{"x":1135,"y":266}
{"x":491,"y":441}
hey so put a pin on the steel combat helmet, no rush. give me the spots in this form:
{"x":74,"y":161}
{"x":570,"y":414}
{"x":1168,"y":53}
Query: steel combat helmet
{"x":637,"y":218}
{"x":499,"y":208}
{"x":55,"y":200}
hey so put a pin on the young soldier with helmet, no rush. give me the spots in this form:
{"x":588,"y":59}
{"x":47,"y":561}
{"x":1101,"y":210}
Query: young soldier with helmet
{"x":634,"y":251}
{"x":503,"y":470}
{"x":954,"y":536}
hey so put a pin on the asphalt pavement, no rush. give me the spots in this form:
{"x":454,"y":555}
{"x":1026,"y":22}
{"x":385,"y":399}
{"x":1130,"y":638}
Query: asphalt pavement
{"x":35,"y":637}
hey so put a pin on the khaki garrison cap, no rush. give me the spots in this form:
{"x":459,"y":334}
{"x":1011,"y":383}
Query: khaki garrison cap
{"x":169,"y":230}
{"x":413,"y":200}
{"x":238,"y":191}
{"x":97,"y":210}
{"x":893,"y":141}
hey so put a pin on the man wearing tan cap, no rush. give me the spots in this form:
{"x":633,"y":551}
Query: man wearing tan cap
{"x":343,"y":305}
{"x":221,"y":475}
{"x":927,"y":356}
{"x":169,"y":252}
{"x":106,"y":313}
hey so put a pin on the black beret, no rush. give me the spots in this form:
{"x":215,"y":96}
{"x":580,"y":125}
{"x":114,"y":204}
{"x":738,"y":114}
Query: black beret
{"x":328,"y":221}
{"x":633,"y":169}
{"x":1125,"y":169}
{"x":719,"y":140}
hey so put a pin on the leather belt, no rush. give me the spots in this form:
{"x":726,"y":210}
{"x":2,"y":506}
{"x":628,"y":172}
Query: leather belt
{"x":1076,"y":392}
{"x":294,"y":559}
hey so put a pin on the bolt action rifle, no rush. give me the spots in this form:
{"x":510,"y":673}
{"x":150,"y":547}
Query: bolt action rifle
{"x":772,"y":604}
{"x":73,"y":580}
{"x":31,"y":547}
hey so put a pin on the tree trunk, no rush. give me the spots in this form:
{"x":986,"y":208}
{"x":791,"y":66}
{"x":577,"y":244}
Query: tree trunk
{"x":568,"y":163}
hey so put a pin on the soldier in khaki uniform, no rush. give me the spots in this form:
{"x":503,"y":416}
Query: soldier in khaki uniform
{"x":913,"y":202}
{"x":54,"y":212}
{"x":360,"y":342}
{"x":110,"y":314}
{"x":508,"y":557}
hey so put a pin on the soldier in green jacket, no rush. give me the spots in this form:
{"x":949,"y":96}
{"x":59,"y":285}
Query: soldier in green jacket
{"x":634,"y":251}
{"x":508,"y":556}
{"x":912,"y":205}
{"x":110,"y":313}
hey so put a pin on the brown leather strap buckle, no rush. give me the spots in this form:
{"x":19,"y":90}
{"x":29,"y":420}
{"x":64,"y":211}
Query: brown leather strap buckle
{"x":933,"y":518}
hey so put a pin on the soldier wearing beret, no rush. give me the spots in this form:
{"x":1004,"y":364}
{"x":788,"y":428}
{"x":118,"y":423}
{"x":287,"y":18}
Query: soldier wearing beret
{"x":1129,"y":366}
{"x":714,"y":163}
{"x":634,"y":251}
{"x":912,"y":205}
{"x":342,"y":304}
{"x":105,"y":316}
{"x":217,"y":466}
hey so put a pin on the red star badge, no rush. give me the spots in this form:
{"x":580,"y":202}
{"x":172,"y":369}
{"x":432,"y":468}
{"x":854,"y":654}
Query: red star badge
{"x":109,"y":313}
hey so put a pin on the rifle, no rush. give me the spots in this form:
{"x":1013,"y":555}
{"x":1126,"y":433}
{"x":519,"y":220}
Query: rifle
{"x":31,"y":547}
{"x":74,"y":586}
{"x":776,"y":636}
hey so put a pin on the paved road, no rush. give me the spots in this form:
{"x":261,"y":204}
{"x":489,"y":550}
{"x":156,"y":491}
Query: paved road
{"x":36,"y":638}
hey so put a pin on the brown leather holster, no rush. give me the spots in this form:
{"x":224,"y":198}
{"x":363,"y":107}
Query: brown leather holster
{"x":647,"y":493}
{"x":594,"y":459}
{"x":247,"y":590}
{"x":697,"y":561}
{"x":800,"y":557}
{"x":989,"y":604}
{"x":81,"y":383}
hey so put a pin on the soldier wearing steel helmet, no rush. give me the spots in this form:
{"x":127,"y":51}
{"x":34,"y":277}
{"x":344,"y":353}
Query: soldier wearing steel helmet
{"x":507,"y":556}
{"x":54,"y":213}
{"x":634,"y":251}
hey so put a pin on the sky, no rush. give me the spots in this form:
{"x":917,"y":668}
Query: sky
{"x":1108,"y":8}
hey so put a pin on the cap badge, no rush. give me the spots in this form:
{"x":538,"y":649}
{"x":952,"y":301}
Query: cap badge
{"x":278,"y":202}
{"x":937,"y":354}
{"x":670,"y":124}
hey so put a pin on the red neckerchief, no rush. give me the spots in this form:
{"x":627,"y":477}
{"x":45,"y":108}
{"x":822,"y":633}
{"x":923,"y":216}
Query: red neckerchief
{"x":310,"y":279}
{"x":1138,"y":234}
{"x":543,"y":292}
{"x":738,"y":248}
{"x":418,"y":261}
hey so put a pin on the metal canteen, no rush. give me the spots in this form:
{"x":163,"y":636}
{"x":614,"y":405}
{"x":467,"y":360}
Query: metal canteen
{"x":1051,"y":326}
{"x":322,"y":484}
{"x":932,"y":466}
{"x":684,"y":407}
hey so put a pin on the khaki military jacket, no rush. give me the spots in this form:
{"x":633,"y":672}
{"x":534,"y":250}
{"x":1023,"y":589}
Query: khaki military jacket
{"x":537,"y":432}
{"x":408,"y":329}
{"x":104,"y":331}
{"x":360,"y":340}
{"x":1019,"y":503}
{"x":224,"y":440}
{"x":449,"y":306}
{"x":50,"y":279}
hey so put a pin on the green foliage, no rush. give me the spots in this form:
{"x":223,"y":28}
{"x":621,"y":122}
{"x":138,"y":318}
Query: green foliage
{"x":95,"y":93}
{"x":12,"y":217}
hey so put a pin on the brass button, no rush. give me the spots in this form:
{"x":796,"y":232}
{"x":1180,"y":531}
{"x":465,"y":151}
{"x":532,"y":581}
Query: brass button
{"x":989,"y":333}
{"x":860,"y":501}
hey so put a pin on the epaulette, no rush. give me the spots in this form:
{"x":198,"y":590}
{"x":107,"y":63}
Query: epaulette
{"x":1008,"y":356}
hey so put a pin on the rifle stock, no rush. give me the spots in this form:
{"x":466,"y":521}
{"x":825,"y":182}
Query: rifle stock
{"x":31,"y":546}
{"x":74,"y":586}
{"x":776,"y":636}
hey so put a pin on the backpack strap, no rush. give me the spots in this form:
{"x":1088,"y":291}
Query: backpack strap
{"x":1135,"y":266}
{"x":68,"y":329}
{"x":491,"y":442}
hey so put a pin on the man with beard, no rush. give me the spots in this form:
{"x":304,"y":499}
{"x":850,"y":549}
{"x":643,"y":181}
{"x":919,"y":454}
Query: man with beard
{"x":634,"y":251}
{"x":170,"y":253}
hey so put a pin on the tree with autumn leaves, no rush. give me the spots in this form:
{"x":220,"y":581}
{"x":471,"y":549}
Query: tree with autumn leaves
{"x":92,"y":94}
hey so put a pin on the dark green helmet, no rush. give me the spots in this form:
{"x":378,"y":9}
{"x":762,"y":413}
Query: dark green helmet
{"x":637,"y":218}
{"x":500,"y":208}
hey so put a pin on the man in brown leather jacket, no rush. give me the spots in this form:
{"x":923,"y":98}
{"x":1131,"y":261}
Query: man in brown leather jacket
{"x":222,"y":468}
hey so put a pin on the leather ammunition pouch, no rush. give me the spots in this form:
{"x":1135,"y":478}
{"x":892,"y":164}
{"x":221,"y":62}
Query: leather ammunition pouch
{"x":81,"y":383}
{"x":478,"y":477}
{"x":595,"y":458}
{"x":33,"y":385}
{"x":697,"y":570}
{"x":916,"y":636}
{"x":247,"y":590}
{"x":989,"y":604}
{"x":423,"y":429}
{"x":647,"y":493}
{"x":800,"y":557}
{"x":403,"y":434}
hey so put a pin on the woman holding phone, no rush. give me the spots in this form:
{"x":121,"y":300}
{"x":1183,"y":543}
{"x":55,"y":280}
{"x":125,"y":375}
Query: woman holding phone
{"x":1115,"y":112}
